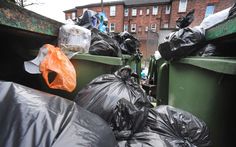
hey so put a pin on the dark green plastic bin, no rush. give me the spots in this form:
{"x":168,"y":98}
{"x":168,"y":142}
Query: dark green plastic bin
{"x":206,"y":88}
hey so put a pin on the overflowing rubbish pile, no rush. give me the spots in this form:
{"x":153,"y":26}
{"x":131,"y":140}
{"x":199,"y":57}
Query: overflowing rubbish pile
{"x":113,"y":109}
{"x":125,"y":107}
{"x":120,"y":115}
{"x":87,"y":35}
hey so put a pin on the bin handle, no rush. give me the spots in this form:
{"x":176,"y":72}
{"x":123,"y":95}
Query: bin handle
{"x":163,"y":83}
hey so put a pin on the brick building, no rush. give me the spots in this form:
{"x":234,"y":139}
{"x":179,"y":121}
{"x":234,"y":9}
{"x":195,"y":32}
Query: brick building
{"x":147,"y":19}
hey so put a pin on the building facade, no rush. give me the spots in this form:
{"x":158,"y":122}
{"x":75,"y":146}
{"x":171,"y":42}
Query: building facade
{"x":146,"y":19}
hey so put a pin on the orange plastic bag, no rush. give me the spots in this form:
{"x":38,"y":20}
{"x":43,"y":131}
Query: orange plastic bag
{"x":57,"y":61}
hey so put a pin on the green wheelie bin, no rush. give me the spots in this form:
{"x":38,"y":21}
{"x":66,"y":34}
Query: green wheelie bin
{"x":205,"y":88}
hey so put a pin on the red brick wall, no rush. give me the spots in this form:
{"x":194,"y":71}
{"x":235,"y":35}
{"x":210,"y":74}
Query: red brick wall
{"x":143,"y":21}
{"x":175,"y":8}
{"x":146,"y":20}
{"x":200,"y":8}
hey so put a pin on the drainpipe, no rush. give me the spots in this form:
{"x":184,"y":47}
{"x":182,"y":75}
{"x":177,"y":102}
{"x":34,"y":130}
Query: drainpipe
{"x":102,"y":4}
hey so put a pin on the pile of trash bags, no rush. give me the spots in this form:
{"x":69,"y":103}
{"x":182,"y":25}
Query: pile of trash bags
{"x":101,"y":94}
{"x":190,"y":41}
{"x":120,"y":115}
{"x":93,"y":37}
{"x":123,"y":104}
{"x":88,"y":35}
{"x":31,"y":118}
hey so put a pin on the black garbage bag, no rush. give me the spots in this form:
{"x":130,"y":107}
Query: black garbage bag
{"x":181,"y":43}
{"x":127,"y":119}
{"x":232,"y":11}
{"x":103,"y":44}
{"x":185,"y":21}
{"x":164,"y":126}
{"x":208,"y":50}
{"x":89,"y":19}
{"x":101,"y":95}
{"x":144,"y":139}
{"x":31,"y":118}
{"x":177,"y":127}
{"x":128,"y":43}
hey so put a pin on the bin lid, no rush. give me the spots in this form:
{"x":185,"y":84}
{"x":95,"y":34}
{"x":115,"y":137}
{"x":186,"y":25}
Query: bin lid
{"x":222,"y":30}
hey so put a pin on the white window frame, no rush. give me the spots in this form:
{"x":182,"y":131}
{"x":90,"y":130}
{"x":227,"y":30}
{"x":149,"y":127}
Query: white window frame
{"x":133,"y":26}
{"x":84,"y":9}
{"x":166,"y":25}
{"x":140,"y":29}
{"x":154,"y":29}
{"x":141,"y":12}
{"x":147,"y":11}
{"x":154,"y":10}
{"x":110,"y":28}
{"x":73,"y":15}
{"x":134,"y":11}
{"x":146,"y":28}
{"x":126,"y":11}
{"x":126,"y":27}
{"x":168,"y":8}
{"x":207,"y":8}
{"x":112,"y":10}
{"x":183,"y":5}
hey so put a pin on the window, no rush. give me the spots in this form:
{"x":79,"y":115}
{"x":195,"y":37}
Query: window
{"x":84,"y":9}
{"x":209,"y":10}
{"x":134,"y":11}
{"x":154,"y":10}
{"x":112,"y":27}
{"x":112,"y":10}
{"x":147,"y":11}
{"x":73,"y":15}
{"x":153,"y":27}
{"x":140,"y":29}
{"x":126,"y":27}
{"x":182,"y":5}
{"x":168,"y":7}
{"x":166,"y":25}
{"x":126,"y":12}
{"x":146,"y":28}
{"x":140,"y":12}
{"x":133,"y":27}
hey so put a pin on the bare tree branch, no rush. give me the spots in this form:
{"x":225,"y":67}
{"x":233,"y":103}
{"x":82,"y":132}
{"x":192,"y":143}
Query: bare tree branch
{"x":23,"y":3}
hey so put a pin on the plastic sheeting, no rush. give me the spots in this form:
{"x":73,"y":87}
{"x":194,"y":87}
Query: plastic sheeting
{"x":214,"y":19}
{"x":30,"y":118}
{"x":101,"y":95}
{"x":74,"y":39}
{"x":181,"y":43}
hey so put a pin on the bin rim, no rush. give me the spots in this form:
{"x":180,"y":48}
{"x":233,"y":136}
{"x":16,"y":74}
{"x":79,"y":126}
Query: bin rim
{"x":225,"y":65}
{"x":100,"y":59}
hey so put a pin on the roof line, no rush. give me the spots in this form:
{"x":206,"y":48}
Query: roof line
{"x":99,"y":4}
{"x":113,"y":3}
